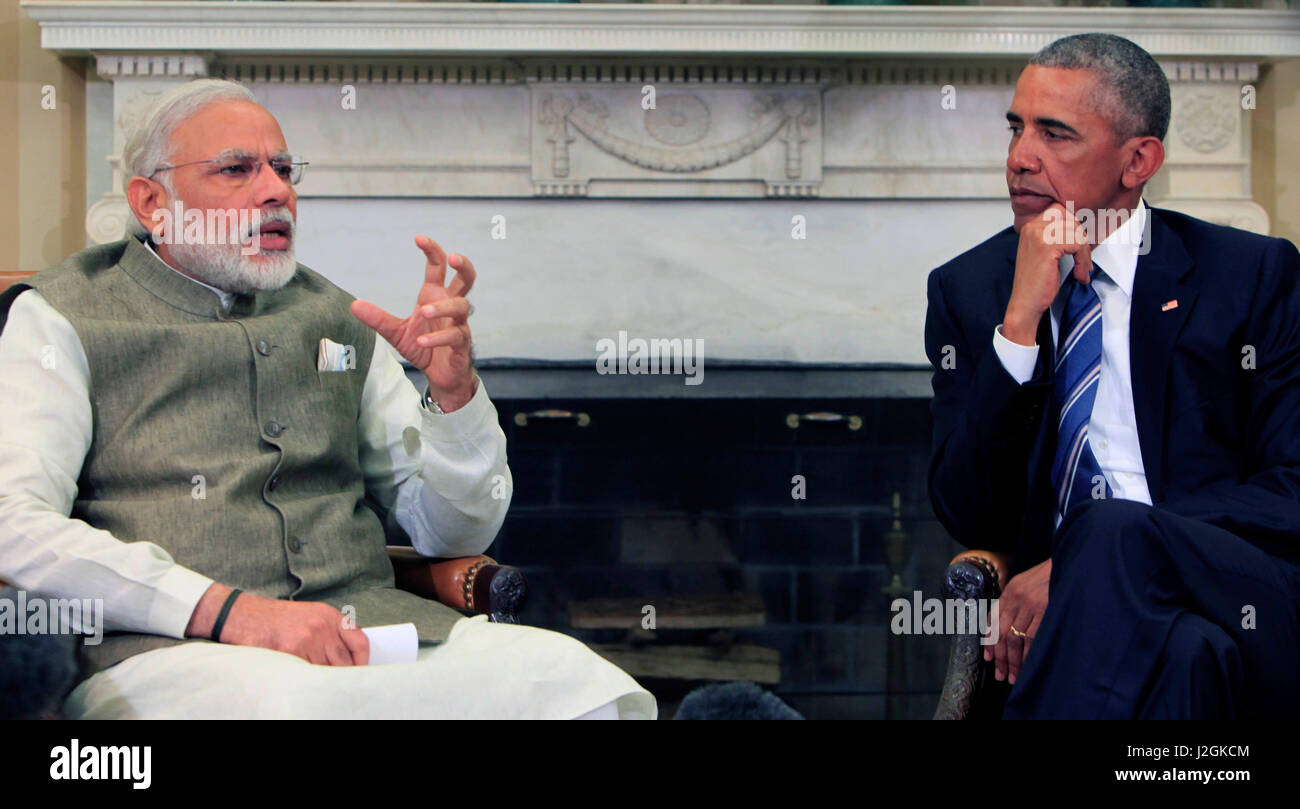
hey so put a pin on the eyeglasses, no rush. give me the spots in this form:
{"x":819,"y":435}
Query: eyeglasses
{"x":238,"y":170}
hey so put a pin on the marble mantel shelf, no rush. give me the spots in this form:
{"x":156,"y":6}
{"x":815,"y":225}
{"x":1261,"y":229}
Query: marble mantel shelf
{"x":839,"y":124}
{"x":492,"y":29}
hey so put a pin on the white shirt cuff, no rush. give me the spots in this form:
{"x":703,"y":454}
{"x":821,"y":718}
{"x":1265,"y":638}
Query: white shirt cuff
{"x":1018,"y":360}
{"x":176,"y":595}
{"x":464,"y":422}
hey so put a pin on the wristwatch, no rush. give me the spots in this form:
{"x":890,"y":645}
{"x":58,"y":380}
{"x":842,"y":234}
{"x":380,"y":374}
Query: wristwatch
{"x":431,"y":404}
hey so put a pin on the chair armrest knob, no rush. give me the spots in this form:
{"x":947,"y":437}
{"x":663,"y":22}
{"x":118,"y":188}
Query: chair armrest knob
{"x":467,"y":583}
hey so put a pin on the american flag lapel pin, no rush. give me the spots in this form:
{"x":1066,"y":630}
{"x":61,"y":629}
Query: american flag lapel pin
{"x":1170,"y":305}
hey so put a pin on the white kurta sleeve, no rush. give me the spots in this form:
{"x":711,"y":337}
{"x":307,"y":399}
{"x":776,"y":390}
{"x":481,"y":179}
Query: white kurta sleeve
{"x":45,"y":432}
{"x":443,"y":478}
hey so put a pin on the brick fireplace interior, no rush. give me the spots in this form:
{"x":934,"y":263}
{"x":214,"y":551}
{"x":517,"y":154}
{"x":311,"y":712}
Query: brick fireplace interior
{"x":658,"y":498}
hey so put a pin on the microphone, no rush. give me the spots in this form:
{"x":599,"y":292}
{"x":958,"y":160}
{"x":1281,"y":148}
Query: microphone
{"x":36,"y":671}
{"x":742,"y":700}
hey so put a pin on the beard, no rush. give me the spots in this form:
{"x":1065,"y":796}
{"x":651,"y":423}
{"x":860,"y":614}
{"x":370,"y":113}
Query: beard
{"x":227,"y":265}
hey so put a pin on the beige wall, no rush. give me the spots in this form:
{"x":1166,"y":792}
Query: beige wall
{"x":1275,"y":133}
{"x":9,"y":134}
{"x":42,"y":214}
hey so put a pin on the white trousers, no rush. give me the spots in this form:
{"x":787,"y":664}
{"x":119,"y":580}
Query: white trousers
{"x":482,"y":671}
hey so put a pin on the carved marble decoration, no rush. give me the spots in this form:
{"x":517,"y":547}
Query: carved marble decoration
{"x":555,"y":115}
{"x":1237,"y":213}
{"x":107,"y":219}
{"x":133,"y":107}
{"x":1208,"y":150}
{"x":678,"y":120}
{"x":769,"y":138}
{"x":1206,"y":122}
{"x":138,"y":79}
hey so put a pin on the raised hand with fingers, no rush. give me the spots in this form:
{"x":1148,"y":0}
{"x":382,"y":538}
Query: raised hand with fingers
{"x":435,"y":338}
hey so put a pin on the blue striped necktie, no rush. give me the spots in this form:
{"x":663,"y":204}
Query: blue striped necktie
{"x":1078,"y":374}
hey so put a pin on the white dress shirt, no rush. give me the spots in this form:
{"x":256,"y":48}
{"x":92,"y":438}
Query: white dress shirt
{"x":442,"y":497}
{"x":1112,"y":429}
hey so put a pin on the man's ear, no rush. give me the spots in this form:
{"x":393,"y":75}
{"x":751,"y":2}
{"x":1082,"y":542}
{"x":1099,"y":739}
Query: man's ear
{"x":1145,"y":157}
{"x":149,"y":202}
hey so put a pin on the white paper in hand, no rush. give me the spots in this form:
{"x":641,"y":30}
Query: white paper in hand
{"x":395,"y":643}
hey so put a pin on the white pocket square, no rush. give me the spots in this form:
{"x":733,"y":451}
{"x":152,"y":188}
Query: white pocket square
{"x":333,"y":356}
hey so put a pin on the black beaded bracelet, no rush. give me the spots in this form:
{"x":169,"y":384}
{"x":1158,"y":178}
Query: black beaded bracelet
{"x":221,"y":616}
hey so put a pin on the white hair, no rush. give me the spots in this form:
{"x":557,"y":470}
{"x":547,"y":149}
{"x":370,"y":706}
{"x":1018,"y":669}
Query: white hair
{"x":148,"y":141}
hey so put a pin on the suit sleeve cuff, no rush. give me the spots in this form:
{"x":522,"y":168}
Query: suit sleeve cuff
{"x":1019,"y":361}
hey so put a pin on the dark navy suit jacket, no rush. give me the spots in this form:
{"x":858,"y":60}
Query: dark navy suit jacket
{"x":1216,"y":391}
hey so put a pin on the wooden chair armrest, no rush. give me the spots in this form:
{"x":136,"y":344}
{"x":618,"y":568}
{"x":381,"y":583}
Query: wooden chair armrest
{"x":980,"y":575}
{"x":10,"y":277}
{"x":467,"y":583}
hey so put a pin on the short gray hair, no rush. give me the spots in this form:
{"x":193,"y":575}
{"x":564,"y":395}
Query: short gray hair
{"x":1133,"y":91}
{"x":148,"y":141}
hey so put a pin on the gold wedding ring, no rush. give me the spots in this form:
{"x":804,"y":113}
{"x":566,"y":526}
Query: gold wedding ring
{"x":1017,"y":632}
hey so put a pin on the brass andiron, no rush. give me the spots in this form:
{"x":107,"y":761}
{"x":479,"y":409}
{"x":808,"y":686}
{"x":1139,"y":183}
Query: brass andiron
{"x":898,"y":549}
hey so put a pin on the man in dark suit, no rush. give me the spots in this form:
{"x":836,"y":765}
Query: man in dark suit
{"x":1117,"y":404}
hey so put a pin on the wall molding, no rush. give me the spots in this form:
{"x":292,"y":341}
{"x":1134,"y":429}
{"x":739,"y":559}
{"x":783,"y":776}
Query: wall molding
{"x":72,"y":27}
{"x":867,"y":143}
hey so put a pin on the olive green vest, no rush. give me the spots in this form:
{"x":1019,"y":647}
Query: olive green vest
{"x":216,"y":437}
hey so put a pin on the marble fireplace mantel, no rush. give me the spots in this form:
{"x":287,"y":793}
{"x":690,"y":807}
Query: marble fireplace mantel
{"x":862,"y":125}
{"x":482,"y":29}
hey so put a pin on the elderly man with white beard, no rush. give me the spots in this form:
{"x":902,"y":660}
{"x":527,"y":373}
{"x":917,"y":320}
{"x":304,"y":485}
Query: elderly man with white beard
{"x":134,"y":369}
